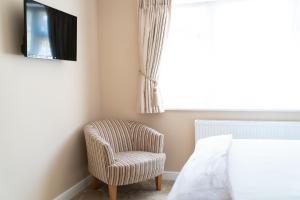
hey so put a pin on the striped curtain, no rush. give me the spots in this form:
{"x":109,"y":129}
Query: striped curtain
{"x":153,"y":23}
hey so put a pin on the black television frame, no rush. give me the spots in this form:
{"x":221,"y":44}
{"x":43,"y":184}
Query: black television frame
{"x":24,"y":45}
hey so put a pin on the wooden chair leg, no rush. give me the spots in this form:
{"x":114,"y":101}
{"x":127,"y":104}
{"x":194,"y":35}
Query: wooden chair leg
{"x":95,"y":183}
{"x":112,"y":190}
{"x":158,"y":180}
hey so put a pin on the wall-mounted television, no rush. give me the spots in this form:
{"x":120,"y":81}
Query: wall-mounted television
{"x":49,"y":33}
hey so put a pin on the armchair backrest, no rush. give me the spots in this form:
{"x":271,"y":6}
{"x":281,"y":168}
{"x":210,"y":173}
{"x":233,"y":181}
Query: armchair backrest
{"x":116,"y":133}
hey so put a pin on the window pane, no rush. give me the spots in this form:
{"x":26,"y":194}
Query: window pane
{"x":237,"y":54}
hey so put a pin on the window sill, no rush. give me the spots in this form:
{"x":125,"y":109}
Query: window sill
{"x":231,"y":110}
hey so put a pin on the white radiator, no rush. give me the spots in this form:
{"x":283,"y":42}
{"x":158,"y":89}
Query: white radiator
{"x":248,"y":129}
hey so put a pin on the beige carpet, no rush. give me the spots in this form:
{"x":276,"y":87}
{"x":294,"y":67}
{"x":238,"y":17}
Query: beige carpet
{"x":140,"y":191}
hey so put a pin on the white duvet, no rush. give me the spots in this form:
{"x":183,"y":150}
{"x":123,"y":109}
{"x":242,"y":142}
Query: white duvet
{"x":265,"y":169}
{"x":221,"y":169}
{"x":205,"y":175}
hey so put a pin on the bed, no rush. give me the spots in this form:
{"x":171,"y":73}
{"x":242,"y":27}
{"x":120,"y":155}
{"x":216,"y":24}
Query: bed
{"x":242,"y":160}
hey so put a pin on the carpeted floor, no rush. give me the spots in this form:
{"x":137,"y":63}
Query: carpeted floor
{"x":140,"y":191}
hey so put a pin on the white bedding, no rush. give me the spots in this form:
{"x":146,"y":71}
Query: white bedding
{"x":265,"y":169}
{"x":205,"y":175}
{"x":221,"y":169}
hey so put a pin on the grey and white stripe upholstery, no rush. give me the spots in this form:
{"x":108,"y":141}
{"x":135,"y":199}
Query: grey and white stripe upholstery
{"x":124,"y":152}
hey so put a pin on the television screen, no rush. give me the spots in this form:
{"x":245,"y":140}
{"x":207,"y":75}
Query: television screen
{"x":49,"y":33}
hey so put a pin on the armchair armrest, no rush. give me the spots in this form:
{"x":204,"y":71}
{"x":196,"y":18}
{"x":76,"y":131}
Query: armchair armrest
{"x":146,"y":138}
{"x":100,"y":153}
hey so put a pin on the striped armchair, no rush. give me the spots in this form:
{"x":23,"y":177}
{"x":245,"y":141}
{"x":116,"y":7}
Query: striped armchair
{"x":124,"y":152}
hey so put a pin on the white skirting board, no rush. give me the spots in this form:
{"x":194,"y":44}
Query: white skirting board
{"x":76,"y":189}
{"x":73,"y":191}
{"x":170,"y":175}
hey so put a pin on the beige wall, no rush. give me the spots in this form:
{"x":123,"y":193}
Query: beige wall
{"x":43,"y":106}
{"x":119,"y":71}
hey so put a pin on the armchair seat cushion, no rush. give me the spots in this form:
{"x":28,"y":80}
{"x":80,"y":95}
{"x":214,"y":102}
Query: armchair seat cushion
{"x":135,"y":166}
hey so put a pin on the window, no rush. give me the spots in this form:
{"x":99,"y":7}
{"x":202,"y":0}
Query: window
{"x":232,"y":55}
